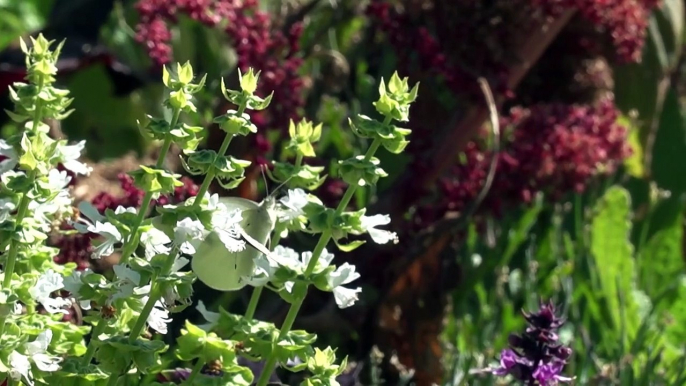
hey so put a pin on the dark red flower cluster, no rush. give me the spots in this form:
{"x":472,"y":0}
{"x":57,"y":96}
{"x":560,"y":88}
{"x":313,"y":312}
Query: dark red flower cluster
{"x":549,"y":148}
{"x":78,"y":248}
{"x":416,"y":45}
{"x":626,"y":21}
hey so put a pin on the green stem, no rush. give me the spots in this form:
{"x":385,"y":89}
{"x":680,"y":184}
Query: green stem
{"x":300,"y":290}
{"x":113,"y":380}
{"x":155,"y":295}
{"x":210,"y":176}
{"x":132,"y":242}
{"x":14,"y":245}
{"x":90,"y":352}
{"x":257,"y":292}
{"x":196,"y":370}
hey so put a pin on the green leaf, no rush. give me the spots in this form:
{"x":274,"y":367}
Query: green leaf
{"x":670,"y":147}
{"x":613,"y":253}
{"x":661,"y":259}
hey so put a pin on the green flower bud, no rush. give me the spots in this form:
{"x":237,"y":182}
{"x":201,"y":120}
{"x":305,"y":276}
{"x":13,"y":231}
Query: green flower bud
{"x":303,"y":135}
{"x":248,"y":81}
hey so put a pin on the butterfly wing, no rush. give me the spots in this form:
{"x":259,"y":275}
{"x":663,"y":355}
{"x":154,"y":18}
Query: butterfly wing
{"x":218,"y":268}
{"x":222,"y":270}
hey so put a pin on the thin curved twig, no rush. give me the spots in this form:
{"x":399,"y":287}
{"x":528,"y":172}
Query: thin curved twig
{"x":454,"y":221}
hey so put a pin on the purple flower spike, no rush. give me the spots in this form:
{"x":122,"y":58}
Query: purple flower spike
{"x":535,"y":357}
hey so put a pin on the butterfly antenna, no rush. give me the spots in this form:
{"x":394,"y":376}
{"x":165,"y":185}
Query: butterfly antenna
{"x":264,"y":178}
{"x":282,"y":184}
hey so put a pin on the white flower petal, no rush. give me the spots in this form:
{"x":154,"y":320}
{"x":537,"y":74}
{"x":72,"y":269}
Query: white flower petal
{"x":188,"y":234}
{"x":324,"y":260}
{"x":40,"y":345}
{"x":293,"y":204}
{"x":70,"y":155}
{"x":342,"y":275}
{"x":12,"y":159}
{"x":20,"y":367}
{"x":159,"y":318}
{"x":46,"y":362}
{"x":346,"y":297}
{"x":155,"y":242}
{"x":378,"y":235}
{"x":212,"y":318}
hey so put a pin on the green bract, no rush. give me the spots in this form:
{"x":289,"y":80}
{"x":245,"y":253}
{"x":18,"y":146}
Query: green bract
{"x":361,"y":171}
{"x":305,"y":176}
{"x":154,"y":180}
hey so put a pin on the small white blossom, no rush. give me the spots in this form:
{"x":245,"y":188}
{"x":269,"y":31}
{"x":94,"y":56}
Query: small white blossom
{"x":288,"y":258}
{"x":104,"y":229}
{"x":128,"y":283}
{"x":46,"y":284}
{"x":188,"y":234}
{"x":379,"y":236}
{"x":324,"y":260}
{"x":171,"y":296}
{"x":120,"y":209}
{"x":293,"y":204}
{"x":73,"y":284}
{"x":61,"y":202}
{"x":20,"y":365}
{"x":6,"y":207}
{"x":159,"y":317}
{"x":155,"y":242}
{"x":345,"y":297}
{"x":212,"y":318}
{"x":264,"y":271}
{"x":70,"y":155}
{"x":225,"y":224}
{"x":11,"y":159}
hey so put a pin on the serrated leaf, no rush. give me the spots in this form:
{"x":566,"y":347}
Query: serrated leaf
{"x":613,"y":253}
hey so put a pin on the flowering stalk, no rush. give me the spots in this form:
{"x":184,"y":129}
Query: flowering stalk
{"x":393,"y":104}
{"x":535,"y":357}
{"x":222,"y":150}
{"x":134,"y":239}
